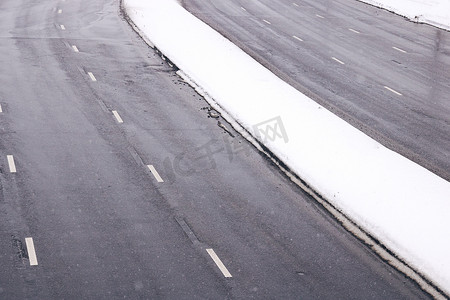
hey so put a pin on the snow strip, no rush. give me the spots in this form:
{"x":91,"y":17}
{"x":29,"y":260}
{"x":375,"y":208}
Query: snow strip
{"x":433,"y":12}
{"x":400,"y":203}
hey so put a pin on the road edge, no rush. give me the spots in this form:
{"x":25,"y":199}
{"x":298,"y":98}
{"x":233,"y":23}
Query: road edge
{"x":398,"y":12}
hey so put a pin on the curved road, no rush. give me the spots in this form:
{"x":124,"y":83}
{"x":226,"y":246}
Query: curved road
{"x":114,"y":183}
{"x":384,"y":75}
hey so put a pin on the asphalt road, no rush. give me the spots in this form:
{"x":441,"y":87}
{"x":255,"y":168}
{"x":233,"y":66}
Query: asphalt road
{"x":384,"y":75}
{"x":86,"y":106}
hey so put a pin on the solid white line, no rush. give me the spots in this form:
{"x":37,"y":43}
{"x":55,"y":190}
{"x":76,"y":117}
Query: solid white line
{"x":31,"y":251}
{"x":153,"y":170}
{"x":243,"y":9}
{"x":1,"y":109}
{"x":12,"y":165}
{"x":297,"y":38}
{"x":341,"y":62}
{"x":353,"y":30}
{"x":322,"y":17}
{"x":62,"y":27}
{"x":118,"y":118}
{"x":219,"y":263}
{"x":75,"y":48}
{"x":295,"y":4}
{"x":398,"y":49}
{"x":59,"y":11}
{"x":92,"y":76}
{"x":267,"y":21}
{"x":394,"y":91}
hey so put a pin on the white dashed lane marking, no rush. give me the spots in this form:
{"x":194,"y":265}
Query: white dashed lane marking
{"x":92,"y":76}
{"x":59,"y":11}
{"x":1,"y":109}
{"x":75,"y":48}
{"x":117,"y":116}
{"x":266,"y":21}
{"x":391,"y":90}
{"x":353,"y":30}
{"x":155,"y":173}
{"x":295,"y":4}
{"x":297,"y":38}
{"x":219,"y":263}
{"x":335,"y":59}
{"x":31,"y":251}
{"x":243,"y":9}
{"x":62,"y":27}
{"x":319,"y":16}
{"x":11,"y":163}
{"x":398,"y":49}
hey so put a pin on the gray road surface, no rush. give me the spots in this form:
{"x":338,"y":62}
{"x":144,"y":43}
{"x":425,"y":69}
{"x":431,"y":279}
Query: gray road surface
{"x":383,"y":74}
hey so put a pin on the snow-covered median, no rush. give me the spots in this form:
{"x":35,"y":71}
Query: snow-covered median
{"x":403,"y":205}
{"x":434,"y":12}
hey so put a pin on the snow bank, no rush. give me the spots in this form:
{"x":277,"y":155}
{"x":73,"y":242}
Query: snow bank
{"x":434,"y":12}
{"x":402,"y":204}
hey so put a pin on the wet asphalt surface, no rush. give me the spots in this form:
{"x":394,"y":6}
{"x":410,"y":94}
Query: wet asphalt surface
{"x":103,"y":226}
{"x":355,"y":60}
